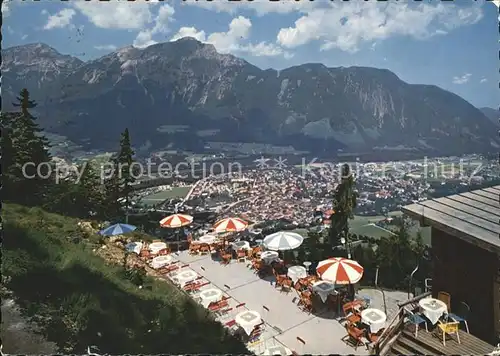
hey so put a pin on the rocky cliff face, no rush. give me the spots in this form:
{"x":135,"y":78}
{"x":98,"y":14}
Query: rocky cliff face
{"x":187,"y":94}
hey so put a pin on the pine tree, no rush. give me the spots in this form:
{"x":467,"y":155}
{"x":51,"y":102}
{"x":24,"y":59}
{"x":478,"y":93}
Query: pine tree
{"x":90,"y":191}
{"x":27,"y":146}
{"x":125,"y":159}
{"x":344,"y":203}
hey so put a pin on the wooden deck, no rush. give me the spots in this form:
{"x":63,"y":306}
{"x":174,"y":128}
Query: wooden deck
{"x":472,"y":216}
{"x":430,"y":343}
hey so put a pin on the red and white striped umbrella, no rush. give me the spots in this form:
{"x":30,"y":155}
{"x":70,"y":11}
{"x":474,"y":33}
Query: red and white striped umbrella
{"x":340,"y":270}
{"x":230,"y":225}
{"x":176,"y":220}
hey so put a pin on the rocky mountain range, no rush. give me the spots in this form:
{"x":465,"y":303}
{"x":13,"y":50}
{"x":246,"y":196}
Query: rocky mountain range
{"x":185,"y":94}
{"x":492,"y":114}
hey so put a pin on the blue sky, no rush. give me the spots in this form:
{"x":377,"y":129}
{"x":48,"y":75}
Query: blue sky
{"x":450,"y":44}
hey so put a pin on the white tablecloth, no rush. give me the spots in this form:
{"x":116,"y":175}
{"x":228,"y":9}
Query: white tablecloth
{"x":210,"y":295}
{"x":160,"y":261}
{"x":135,"y":247}
{"x":323,"y":289}
{"x":269,"y":256}
{"x":248,"y":320}
{"x":155,"y":247}
{"x":374,"y":318}
{"x":208,"y":239}
{"x":433,"y":309}
{"x":297,"y":272}
{"x":278,"y":350}
{"x":245,"y":245}
{"x":185,"y":277}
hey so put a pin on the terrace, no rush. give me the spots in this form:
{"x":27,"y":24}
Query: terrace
{"x":286,"y":325}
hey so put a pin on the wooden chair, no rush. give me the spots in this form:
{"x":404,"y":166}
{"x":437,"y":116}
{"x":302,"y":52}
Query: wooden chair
{"x":241,"y":255}
{"x":164,"y":251}
{"x":449,"y":329}
{"x":354,"y":336}
{"x":194,"y":249}
{"x":204,"y":249}
{"x":306,"y":303}
{"x":145,"y":254}
{"x":226,"y":258}
{"x":286,"y":285}
{"x":445,"y":298}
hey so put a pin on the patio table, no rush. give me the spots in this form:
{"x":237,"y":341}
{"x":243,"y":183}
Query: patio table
{"x":248,"y":320}
{"x":278,"y":350}
{"x":296,"y":272}
{"x":433,"y":309}
{"x":323,"y":289}
{"x":208,"y":239}
{"x":160,"y":261}
{"x":185,"y":277}
{"x":269,"y":256}
{"x":374,"y":318}
{"x":155,"y":247}
{"x":210,"y":295}
{"x":245,"y":245}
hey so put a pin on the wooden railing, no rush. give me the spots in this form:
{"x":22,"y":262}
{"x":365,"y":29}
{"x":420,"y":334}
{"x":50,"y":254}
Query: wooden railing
{"x":395,"y":325}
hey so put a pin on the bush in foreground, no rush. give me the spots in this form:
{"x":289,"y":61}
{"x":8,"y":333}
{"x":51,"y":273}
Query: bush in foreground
{"x":79,"y":300}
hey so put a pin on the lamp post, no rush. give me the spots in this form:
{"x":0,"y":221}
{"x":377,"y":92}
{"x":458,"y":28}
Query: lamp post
{"x":346,"y":246}
{"x":411,"y":279}
{"x":380,"y":289}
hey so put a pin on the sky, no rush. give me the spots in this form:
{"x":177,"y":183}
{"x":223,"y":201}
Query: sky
{"x":453,"y":45}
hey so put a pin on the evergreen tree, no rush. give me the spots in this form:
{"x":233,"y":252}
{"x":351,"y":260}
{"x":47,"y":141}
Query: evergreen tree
{"x":125,"y":159}
{"x":112,"y":193}
{"x":26,"y":149}
{"x":344,"y":203}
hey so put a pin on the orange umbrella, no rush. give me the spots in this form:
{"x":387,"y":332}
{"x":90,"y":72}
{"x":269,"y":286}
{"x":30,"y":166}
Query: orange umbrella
{"x":176,"y":220}
{"x":340,"y":270}
{"x":230,"y":225}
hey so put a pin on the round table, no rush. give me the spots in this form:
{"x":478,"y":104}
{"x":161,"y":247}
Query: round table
{"x":210,"y":295}
{"x":374,"y":318}
{"x":433,"y":309}
{"x":307,"y":264}
{"x":269,"y":256}
{"x":185,"y":277}
{"x":248,"y":320}
{"x":160,"y":261}
{"x":278,"y":350}
{"x":296,"y":272}
{"x":238,"y":245}
{"x":208,"y":239}
{"x":155,"y":247}
{"x":323,"y":289}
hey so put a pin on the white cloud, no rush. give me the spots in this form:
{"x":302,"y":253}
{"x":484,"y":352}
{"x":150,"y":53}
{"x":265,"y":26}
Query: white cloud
{"x":484,"y":80}
{"x":348,"y":24}
{"x":145,"y":37}
{"x":23,"y":37}
{"x":189,"y":32}
{"x":109,"y":47}
{"x":60,"y":20}
{"x":117,"y":15}
{"x":259,"y":7}
{"x":461,"y":79}
{"x":6,"y":8}
{"x":234,"y":40}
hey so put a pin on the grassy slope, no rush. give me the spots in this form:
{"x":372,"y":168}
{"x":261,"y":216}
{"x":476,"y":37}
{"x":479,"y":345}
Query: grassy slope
{"x":81,"y":301}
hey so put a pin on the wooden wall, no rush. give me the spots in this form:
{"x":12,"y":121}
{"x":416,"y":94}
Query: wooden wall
{"x":468,"y":273}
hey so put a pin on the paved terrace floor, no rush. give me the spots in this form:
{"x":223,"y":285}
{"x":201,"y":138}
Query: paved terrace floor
{"x":285,"y":322}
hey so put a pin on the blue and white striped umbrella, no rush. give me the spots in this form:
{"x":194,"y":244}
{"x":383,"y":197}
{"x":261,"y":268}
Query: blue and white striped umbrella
{"x":117,"y":229}
{"x":283,"y":240}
